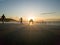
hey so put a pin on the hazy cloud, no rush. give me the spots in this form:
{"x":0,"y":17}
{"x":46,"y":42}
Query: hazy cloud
{"x":48,"y":13}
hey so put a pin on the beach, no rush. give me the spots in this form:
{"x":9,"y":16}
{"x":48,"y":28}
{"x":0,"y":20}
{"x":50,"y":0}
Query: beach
{"x":25,"y":34}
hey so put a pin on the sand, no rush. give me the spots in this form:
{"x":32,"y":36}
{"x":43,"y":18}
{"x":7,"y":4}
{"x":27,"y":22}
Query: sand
{"x":25,"y":34}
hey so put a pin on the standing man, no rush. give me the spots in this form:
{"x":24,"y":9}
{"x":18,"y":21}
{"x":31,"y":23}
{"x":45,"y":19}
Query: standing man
{"x":21,"y":20}
{"x":3,"y":18}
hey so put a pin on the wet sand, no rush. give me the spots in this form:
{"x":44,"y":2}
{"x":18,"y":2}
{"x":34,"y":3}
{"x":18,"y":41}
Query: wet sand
{"x":25,"y":34}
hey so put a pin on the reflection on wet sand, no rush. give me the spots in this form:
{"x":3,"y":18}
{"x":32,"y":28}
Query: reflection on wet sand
{"x":35,"y":34}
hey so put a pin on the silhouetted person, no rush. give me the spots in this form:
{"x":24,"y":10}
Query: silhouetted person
{"x":3,"y":18}
{"x":31,"y":21}
{"x":21,"y":20}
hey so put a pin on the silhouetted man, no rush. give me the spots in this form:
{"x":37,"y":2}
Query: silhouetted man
{"x":3,"y":18}
{"x":21,"y":20}
{"x":31,"y":21}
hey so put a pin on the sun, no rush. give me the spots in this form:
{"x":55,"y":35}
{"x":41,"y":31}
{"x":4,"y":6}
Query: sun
{"x":29,"y":18}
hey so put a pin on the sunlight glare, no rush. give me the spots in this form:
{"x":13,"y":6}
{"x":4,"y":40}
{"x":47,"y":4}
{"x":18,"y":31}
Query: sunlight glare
{"x":31,"y":17}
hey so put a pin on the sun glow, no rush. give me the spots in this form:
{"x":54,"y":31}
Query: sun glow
{"x":31,"y":17}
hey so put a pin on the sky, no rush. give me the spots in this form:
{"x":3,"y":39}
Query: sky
{"x":36,"y":8}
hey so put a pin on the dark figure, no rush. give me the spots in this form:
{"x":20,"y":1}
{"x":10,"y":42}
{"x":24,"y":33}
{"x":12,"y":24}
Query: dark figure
{"x":3,"y":18}
{"x":31,"y":21}
{"x":21,"y":20}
